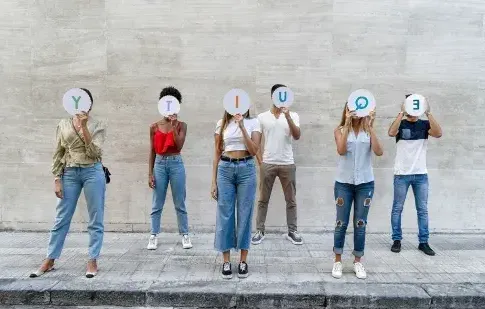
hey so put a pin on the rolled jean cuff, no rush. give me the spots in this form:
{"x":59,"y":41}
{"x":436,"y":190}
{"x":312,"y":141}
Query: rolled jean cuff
{"x":358,"y":253}
{"x":338,"y":250}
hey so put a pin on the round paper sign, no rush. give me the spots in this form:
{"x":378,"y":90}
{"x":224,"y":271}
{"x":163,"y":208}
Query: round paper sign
{"x":416,"y":105}
{"x":236,"y":101}
{"x":283,"y":97}
{"x":76,"y":101}
{"x":362,"y":102}
{"x":168,"y":105}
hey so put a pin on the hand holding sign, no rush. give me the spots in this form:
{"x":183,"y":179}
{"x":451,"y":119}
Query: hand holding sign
{"x":83,"y":119}
{"x":282,"y":97}
{"x":239,"y":120}
{"x":168,"y":106}
{"x":76,"y":101}
{"x":416,"y":105}
{"x":236,"y":101}
{"x":362,"y":102}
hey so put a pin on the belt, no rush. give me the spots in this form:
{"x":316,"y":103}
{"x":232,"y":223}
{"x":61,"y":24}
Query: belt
{"x":227,"y":159}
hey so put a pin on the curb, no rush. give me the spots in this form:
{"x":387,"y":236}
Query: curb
{"x":241,"y":294}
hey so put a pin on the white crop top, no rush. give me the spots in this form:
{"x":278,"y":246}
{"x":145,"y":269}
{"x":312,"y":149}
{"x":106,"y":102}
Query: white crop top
{"x":233,"y":138}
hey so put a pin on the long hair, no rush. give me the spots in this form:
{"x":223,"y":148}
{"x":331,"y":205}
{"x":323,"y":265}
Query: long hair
{"x":226,"y":118}
{"x":342,"y":120}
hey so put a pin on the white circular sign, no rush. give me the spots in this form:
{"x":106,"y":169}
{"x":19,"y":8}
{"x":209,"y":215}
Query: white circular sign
{"x":168,"y":105}
{"x":415,"y":105}
{"x":283,"y":97}
{"x":236,"y":101}
{"x":76,"y":101}
{"x":362,"y":102}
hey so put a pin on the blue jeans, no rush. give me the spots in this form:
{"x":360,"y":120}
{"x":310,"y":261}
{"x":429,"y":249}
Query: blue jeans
{"x":169,"y":169}
{"x":419,"y":183}
{"x":361,"y":196}
{"x":236,"y":185}
{"x":74,"y":179}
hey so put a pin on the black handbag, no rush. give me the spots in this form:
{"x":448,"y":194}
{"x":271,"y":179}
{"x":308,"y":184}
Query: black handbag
{"x":105,"y":169}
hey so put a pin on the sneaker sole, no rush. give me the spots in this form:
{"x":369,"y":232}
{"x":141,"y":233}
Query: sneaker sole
{"x":294,"y":242}
{"x":395,"y":250}
{"x":243,"y":276}
{"x":336,"y":276}
{"x":151,"y":249}
{"x":257,"y":242}
{"x":427,"y":253}
{"x":227,"y":277}
{"x":187,"y":247}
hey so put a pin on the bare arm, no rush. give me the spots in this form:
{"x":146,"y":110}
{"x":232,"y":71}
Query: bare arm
{"x":252,"y":142}
{"x":179,"y":134}
{"x":151,"y":152}
{"x":217,"y":158}
{"x":341,"y":134}
{"x":259,"y":155}
{"x":394,"y":128}
{"x":375,"y":144}
{"x":435,"y":129}
{"x":294,"y":129}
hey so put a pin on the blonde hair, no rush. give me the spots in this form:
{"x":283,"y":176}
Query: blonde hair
{"x":361,"y":121}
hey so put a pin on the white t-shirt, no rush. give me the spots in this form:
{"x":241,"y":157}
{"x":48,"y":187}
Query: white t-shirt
{"x":278,"y":147}
{"x":233,"y":137}
{"x":412,"y":145}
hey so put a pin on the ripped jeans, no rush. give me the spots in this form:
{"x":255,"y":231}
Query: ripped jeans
{"x":361,"y":196}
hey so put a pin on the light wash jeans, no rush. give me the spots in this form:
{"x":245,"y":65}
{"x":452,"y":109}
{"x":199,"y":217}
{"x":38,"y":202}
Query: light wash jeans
{"x":169,"y":169}
{"x":236,"y":184}
{"x":419,"y":183}
{"x":74,"y":179}
{"x":361,"y":196}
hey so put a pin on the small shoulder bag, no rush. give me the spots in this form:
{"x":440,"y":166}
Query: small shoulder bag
{"x":107,"y":174}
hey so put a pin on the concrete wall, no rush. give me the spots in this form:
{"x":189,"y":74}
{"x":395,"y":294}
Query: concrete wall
{"x":126,"y":51}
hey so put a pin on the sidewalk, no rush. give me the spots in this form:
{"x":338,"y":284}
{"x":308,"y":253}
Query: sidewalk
{"x":281,"y":275}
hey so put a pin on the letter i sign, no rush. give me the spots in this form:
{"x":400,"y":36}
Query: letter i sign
{"x":168,"y":105}
{"x":236,"y":101}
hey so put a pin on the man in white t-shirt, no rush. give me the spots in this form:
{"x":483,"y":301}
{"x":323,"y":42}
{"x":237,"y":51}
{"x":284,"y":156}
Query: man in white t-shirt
{"x":279,"y":127}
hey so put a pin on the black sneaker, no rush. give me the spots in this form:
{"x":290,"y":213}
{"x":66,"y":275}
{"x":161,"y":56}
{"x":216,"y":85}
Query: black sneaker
{"x":243,"y":271}
{"x":396,"y":246}
{"x":426,"y":249}
{"x":295,"y":238}
{"x":226,"y":271}
{"x":257,"y":238}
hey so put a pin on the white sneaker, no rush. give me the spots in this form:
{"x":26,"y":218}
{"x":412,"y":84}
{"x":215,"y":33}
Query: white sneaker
{"x":152,"y":243}
{"x":337,"y":270}
{"x":360,"y":270}
{"x":186,"y":243}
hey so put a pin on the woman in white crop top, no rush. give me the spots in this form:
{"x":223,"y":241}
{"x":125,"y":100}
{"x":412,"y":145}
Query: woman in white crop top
{"x":236,"y":143}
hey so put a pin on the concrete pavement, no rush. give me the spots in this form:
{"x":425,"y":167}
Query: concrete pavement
{"x":281,"y":275}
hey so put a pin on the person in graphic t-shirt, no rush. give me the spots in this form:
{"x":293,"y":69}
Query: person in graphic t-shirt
{"x":280,"y":127}
{"x":410,"y":170}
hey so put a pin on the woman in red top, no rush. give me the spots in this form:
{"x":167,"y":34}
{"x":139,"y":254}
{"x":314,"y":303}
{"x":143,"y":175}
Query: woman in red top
{"x":165,"y":166}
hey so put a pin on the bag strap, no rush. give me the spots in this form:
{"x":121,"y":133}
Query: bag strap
{"x":77,"y":133}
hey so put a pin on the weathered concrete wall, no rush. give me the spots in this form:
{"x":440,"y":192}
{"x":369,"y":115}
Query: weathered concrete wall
{"x":126,"y":51}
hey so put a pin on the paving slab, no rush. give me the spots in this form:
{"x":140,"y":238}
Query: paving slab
{"x":281,"y":275}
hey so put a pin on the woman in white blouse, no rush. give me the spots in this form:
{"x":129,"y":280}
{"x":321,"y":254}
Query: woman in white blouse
{"x":237,"y":140}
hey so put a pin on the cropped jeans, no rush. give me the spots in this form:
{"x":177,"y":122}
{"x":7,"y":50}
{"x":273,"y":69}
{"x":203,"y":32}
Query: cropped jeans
{"x":419,"y":183}
{"x":236,"y":184}
{"x":169,"y":169}
{"x":74,"y":179}
{"x":361,"y":196}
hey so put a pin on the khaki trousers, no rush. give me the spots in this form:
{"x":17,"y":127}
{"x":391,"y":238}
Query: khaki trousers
{"x":287,"y":176}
